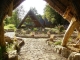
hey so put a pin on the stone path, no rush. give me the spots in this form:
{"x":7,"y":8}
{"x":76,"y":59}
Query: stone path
{"x":37,"y":49}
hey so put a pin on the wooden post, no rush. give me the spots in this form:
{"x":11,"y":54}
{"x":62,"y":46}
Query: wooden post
{"x":78,"y":32}
{"x":69,"y":31}
{"x":2,"y":41}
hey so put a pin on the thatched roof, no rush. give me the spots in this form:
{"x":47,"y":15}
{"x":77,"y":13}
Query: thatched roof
{"x":6,"y":7}
{"x":33,"y":17}
{"x":66,"y":8}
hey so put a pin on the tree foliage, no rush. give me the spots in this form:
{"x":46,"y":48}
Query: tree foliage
{"x":53,"y":16}
{"x":13,"y":19}
{"x":34,"y":10}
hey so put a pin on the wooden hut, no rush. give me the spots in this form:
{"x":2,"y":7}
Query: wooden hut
{"x":34,"y":19}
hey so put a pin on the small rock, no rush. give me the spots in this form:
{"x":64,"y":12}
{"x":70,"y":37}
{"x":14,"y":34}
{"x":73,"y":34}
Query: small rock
{"x":58,"y":49}
{"x":13,"y":55}
{"x":7,"y":39}
{"x":74,"y":56}
{"x":65,"y":52}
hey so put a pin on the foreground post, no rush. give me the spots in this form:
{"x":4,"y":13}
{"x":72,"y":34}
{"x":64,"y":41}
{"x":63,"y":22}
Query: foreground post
{"x":2,"y":41}
{"x":69,"y":31}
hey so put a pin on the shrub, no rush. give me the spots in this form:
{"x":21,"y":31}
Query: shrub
{"x":10,"y":26}
{"x":35,"y":29}
{"x":58,"y":42}
{"x":61,"y":28}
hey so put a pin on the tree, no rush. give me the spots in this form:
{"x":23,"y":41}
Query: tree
{"x":34,"y":10}
{"x":53,"y":16}
{"x":13,"y":19}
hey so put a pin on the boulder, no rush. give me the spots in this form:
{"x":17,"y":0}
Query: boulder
{"x":58,"y":49}
{"x":7,"y":39}
{"x":65,"y":52}
{"x":51,"y":38}
{"x":13,"y":55}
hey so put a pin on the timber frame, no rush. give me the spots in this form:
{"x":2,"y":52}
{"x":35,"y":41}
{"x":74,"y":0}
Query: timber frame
{"x":6,"y":8}
{"x":70,"y":10}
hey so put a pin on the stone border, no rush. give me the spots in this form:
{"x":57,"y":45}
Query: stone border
{"x":67,"y":53}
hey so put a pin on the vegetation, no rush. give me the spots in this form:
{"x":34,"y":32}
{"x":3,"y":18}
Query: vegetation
{"x":14,"y":20}
{"x":10,"y":47}
{"x":35,"y":29}
{"x":57,"y":42}
{"x":53,"y":16}
{"x":10,"y":26}
{"x":2,"y":50}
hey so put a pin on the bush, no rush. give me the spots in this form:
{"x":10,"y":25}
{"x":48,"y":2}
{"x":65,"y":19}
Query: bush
{"x":57,"y":43}
{"x":61,"y":28}
{"x":10,"y":26}
{"x":35,"y":29}
{"x":10,"y":47}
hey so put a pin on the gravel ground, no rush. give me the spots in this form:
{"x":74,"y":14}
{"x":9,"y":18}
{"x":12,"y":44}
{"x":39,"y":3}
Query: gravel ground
{"x":37,"y":49}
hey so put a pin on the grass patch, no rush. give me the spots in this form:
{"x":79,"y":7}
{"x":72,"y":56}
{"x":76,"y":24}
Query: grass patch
{"x":57,"y":42}
{"x":10,"y":47}
{"x":10,"y":26}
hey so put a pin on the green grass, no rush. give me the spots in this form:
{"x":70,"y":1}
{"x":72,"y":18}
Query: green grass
{"x":57,"y":43}
{"x":10,"y":47}
{"x":10,"y":26}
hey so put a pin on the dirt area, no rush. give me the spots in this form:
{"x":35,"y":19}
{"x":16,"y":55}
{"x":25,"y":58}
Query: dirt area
{"x":37,"y":49}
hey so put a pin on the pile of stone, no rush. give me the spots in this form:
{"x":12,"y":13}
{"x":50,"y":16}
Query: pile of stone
{"x":67,"y":53}
{"x":18,"y":43}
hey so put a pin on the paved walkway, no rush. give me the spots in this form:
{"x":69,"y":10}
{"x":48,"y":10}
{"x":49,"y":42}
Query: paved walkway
{"x":37,"y":49}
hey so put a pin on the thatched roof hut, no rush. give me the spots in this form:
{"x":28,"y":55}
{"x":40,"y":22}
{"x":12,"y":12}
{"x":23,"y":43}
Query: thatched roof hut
{"x":33,"y":17}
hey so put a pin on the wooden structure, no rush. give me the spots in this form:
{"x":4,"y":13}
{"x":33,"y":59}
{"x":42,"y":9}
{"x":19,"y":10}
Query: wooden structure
{"x":6,"y":7}
{"x":36,"y":19}
{"x":33,"y":17}
{"x":70,"y":10}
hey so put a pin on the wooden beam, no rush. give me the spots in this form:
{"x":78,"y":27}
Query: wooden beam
{"x":2,"y":41}
{"x":66,"y":13}
{"x":78,"y":32}
{"x":10,"y":9}
{"x":69,"y":31}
